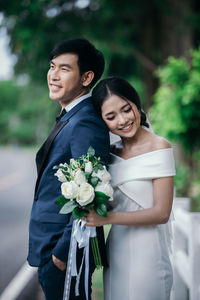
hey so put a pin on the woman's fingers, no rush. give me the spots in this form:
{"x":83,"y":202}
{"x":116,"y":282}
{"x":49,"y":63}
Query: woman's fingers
{"x":91,"y":219}
{"x":90,"y":224}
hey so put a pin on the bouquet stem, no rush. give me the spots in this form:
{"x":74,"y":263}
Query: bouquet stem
{"x":96,"y":253}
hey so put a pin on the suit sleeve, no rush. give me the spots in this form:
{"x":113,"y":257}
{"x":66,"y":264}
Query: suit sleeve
{"x":86,"y":133}
{"x":93,"y":133}
{"x":62,"y":247}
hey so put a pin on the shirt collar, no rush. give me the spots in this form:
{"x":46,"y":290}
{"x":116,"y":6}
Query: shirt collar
{"x":76,"y":101}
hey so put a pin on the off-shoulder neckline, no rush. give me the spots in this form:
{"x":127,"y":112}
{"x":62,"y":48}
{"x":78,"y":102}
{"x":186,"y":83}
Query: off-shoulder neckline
{"x":140,"y":155}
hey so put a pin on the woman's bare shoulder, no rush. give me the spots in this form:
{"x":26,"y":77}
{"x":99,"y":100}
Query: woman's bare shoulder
{"x":158,"y":143}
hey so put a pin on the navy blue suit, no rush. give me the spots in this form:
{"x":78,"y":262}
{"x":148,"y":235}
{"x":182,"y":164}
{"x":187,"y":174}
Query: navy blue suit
{"x":49,"y":231}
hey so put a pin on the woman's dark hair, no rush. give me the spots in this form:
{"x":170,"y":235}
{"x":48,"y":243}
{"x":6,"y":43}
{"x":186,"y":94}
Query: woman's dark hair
{"x":89,"y":58}
{"x":120,"y":87}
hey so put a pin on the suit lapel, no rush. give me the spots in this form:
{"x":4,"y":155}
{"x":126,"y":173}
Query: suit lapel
{"x":76,"y":108}
{"x":44,"y":149}
{"x":42,"y":154}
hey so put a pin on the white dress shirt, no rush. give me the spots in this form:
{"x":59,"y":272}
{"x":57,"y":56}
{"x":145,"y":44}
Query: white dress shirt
{"x":76,"y":101}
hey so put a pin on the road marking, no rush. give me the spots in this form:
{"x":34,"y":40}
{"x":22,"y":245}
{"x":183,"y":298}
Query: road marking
{"x":11,"y":180}
{"x":18,"y":283}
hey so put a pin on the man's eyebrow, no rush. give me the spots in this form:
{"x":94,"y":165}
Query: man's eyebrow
{"x":62,"y":65}
{"x":66,"y":65}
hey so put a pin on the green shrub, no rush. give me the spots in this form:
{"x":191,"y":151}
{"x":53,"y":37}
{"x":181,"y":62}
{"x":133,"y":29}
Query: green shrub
{"x":26,"y":113}
{"x":176,"y":116}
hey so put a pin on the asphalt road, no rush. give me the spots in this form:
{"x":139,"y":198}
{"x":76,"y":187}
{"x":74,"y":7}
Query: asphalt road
{"x":17,"y":181}
{"x":17,"y":178}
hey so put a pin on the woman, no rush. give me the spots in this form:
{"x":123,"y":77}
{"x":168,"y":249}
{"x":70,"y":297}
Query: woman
{"x":142,"y":171}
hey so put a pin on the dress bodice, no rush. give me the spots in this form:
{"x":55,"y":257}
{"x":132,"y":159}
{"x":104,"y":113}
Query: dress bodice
{"x":134,"y":176}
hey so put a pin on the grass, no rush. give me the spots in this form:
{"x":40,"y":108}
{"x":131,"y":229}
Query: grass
{"x":97,"y":285}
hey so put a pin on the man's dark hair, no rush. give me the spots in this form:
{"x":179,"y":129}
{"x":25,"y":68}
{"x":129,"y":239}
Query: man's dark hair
{"x":89,"y":58}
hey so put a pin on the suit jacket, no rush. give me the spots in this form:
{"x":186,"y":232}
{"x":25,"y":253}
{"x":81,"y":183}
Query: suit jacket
{"x":49,"y":231}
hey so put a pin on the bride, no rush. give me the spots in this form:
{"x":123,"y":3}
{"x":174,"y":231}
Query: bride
{"x":142,"y":170}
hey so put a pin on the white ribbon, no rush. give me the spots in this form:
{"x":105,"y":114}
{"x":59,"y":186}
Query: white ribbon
{"x":81,"y":235}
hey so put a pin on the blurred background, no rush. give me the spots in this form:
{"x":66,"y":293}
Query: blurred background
{"x":154,"y":44}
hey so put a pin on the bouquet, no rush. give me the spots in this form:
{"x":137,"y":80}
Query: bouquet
{"x":85,"y":186}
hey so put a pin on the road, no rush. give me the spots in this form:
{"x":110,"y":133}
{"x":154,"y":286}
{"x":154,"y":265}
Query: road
{"x":17,"y":179}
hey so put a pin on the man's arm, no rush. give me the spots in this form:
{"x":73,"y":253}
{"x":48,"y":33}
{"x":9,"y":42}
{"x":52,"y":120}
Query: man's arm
{"x":86,"y":133}
{"x":92,"y":132}
{"x":60,"y":251}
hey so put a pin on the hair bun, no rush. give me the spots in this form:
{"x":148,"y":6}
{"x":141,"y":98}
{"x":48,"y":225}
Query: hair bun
{"x":143,"y":121}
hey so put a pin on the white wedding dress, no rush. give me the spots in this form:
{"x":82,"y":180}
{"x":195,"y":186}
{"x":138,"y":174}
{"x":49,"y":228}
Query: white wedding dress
{"x":138,"y":256}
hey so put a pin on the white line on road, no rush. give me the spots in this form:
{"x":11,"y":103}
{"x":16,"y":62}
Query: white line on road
{"x":18,"y":283}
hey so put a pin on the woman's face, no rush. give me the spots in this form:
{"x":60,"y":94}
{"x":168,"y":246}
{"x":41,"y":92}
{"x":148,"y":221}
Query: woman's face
{"x":121,"y":116}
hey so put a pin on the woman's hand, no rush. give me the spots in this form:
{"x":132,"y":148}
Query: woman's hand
{"x":94,"y":220}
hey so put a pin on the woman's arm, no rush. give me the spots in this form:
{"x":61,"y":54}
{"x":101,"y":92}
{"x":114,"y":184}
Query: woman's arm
{"x":158,"y":214}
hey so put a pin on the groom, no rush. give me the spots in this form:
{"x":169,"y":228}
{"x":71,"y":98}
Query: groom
{"x":75,"y":66}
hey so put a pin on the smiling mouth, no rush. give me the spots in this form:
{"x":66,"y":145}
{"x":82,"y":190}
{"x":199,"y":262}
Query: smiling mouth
{"x":55,"y":87}
{"x":127,"y":128}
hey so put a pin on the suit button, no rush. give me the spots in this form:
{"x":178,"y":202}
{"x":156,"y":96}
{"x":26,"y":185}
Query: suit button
{"x":35,"y":198}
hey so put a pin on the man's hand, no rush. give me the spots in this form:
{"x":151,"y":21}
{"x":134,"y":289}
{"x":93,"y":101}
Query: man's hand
{"x":59,"y":263}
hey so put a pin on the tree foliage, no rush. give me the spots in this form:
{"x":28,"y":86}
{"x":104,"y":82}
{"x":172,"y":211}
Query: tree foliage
{"x":176,"y":116}
{"x":26,"y":113}
{"x":177,"y":101}
{"x":135,"y":36}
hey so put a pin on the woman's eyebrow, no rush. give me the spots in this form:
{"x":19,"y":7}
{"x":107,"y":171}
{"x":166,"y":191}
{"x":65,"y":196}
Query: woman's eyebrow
{"x":112,"y":112}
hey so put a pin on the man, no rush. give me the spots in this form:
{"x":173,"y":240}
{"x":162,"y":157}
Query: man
{"x":75,"y":66}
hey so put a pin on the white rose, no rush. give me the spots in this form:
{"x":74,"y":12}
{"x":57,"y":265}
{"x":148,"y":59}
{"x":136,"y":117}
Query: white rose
{"x":86,"y":194}
{"x":71,"y":172}
{"x":103,"y":175}
{"x":88,"y":167}
{"x":105,"y":188}
{"x":79,"y":177}
{"x":60,"y":175}
{"x":74,"y":163}
{"x":69,"y":189}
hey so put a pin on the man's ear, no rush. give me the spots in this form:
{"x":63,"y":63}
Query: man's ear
{"x":87,"y":78}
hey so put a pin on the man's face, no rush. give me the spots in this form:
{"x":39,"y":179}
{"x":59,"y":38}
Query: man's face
{"x":64,"y":80}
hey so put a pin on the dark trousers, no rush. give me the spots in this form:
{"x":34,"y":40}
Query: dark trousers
{"x":52,"y":281}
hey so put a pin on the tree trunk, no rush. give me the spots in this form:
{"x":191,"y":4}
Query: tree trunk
{"x":176,"y":34}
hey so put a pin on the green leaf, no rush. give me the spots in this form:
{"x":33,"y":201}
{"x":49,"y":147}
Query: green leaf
{"x":95,"y":169}
{"x":68,"y":207}
{"x":61,"y":201}
{"x":101,"y":197}
{"x":92,"y":159}
{"x":101,"y":210}
{"x":90,"y":206}
{"x":94,"y":181}
{"x":87,"y":175}
{"x":78,"y":212}
{"x":64,"y":169}
{"x":100,"y":167}
{"x":91,"y":151}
